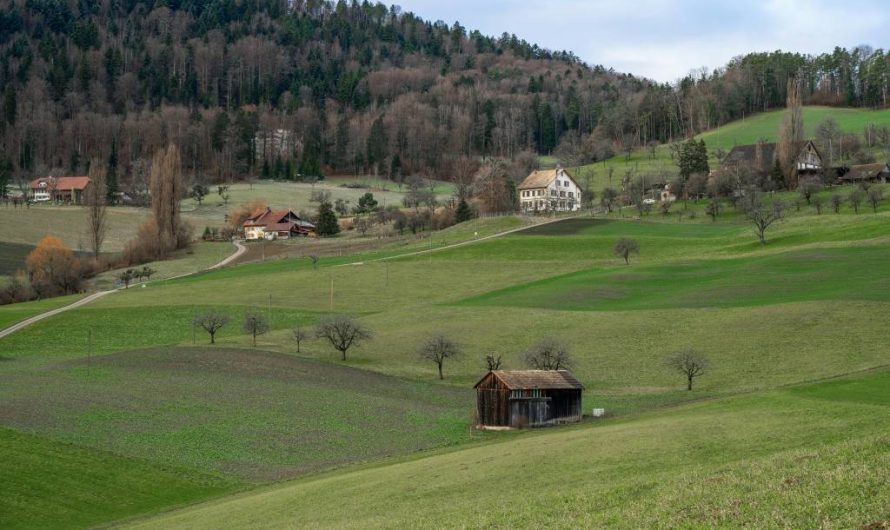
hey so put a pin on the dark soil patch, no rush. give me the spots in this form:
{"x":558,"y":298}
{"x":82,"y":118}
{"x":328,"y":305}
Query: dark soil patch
{"x":562,"y":228}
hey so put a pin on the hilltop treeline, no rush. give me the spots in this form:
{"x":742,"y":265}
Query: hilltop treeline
{"x":301,"y":87}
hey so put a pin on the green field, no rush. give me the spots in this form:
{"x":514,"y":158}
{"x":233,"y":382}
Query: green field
{"x":10,"y":314}
{"x":806,"y":457}
{"x":786,"y":428}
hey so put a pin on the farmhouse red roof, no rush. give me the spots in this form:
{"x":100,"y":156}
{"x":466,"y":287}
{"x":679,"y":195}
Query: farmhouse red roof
{"x":265,"y":216}
{"x":536,"y":379}
{"x":62,"y":183}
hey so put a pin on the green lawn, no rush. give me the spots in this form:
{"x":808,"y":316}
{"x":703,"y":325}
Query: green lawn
{"x":124,"y":375}
{"x":12,"y":313}
{"x":816,"y":456}
{"x":249,"y":415}
{"x":51,"y":484}
{"x":853,"y":273}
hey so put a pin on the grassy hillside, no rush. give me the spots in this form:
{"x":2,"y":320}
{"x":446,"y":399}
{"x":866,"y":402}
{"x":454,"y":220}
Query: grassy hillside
{"x":127,"y":378}
{"x":50,"y":484}
{"x":746,"y":131}
{"x":806,"y":457}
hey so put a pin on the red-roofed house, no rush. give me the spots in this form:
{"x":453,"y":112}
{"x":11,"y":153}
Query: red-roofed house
{"x":267,"y":223}
{"x":59,"y":189}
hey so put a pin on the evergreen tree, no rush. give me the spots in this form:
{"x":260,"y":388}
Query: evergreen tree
{"x":693,"y":158}
{"x":5,"y":174}
{"x":327,"y":221}
{"x":377,"y":143}
{"x":111,"y":174}
{"x":463,"y":212}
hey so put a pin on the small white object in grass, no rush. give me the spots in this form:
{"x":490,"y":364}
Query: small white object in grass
{"x":144,"y":286}
{"x":599,"y":413}
{"x":475,"y":234}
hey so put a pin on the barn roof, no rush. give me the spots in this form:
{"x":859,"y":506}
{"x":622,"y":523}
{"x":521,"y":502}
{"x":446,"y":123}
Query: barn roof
{"x":267,"y":216}
{"x":865,"y":172}
{"x":61,"y":183}
{"x":747,"y":154}
{"x":535,"y":379}
{"x":538,"y":179}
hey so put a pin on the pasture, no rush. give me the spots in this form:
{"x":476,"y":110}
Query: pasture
{"x":129,"y":374}
{"x":805,"y":457}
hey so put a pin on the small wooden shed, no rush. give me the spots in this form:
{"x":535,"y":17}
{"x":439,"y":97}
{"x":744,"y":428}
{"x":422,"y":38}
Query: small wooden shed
{"x":528,"y":398}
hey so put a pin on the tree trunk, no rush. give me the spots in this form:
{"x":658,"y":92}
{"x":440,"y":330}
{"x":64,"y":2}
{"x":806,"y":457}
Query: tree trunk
{"x":212,"y":339}
{"x":343,"y":356}
{"x":440,"y":371}
{"x":689,"y":382}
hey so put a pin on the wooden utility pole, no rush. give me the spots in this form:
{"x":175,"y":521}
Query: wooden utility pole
{"x":332,"y":292}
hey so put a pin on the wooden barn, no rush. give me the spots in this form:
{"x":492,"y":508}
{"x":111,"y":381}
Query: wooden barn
{"x":528,"y":398}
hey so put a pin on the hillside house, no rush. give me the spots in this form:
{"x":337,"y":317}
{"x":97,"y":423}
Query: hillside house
{"x":549,"y":190}
{"x":527,"y":398}
{"x":267,"y":223}
{"x":761,"y":158}
{"x":59,"y":189}
{"x":865,"y":173}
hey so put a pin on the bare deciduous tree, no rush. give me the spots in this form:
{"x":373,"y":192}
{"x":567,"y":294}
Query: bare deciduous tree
{"x":763,"y":216}
{"x":300,"y":335}
{"x":791,"y":134}
{"x":549,"y":354}
{"x":855,"y":199}
{"x":874,"y":197}
{"x":211,"y":322}
{"x":492,"y":362}
{"x":438,"y":348}
{"x":809,"y":187}
{"x":690,"y":363}
{"x":255,"y":323}
{"x":166,"y":187}
{"x":96,"y":199}
{"x":343,"y":332}
{"x":836,"y":202}
{"x":625,"y":247}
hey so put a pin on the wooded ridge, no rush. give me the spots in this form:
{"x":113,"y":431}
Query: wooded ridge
{"x":290,"y":89}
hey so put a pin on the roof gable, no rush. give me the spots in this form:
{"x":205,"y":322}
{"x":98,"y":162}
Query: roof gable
{"x":61,"y":183}
{"x":543,"y":177}
{"x":535,"y":379}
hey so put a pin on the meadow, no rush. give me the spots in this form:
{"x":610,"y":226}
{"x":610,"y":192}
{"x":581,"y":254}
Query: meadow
{"x":804,"y":457}
{"x":789,"y":409}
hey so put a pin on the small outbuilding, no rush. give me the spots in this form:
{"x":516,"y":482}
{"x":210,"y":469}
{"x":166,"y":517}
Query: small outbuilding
{"x":527,"y":398}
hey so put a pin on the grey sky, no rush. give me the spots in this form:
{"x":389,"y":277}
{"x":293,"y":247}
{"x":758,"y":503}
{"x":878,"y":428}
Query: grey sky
{"x":665,"y":39}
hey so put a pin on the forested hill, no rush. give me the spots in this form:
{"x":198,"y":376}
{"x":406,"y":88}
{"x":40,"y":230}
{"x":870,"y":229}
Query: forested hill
{"x":287,"y":87}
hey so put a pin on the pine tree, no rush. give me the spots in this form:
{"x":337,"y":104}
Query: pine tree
{"x":327,"y":221}
{"x":111,"y":174}
{"x":463,"y":212}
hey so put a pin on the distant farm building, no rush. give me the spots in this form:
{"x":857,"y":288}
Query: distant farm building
{"x":528,"y":398}
{"x":267,"y":223}
{"x":549,"y":190}
{"x":865,"y":173}
{"x":761,"y":158}
{"x":59,"y":189}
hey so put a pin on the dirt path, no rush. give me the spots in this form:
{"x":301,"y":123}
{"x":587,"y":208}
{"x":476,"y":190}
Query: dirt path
{"x":463,"y":243}
{"x":240,"y":249}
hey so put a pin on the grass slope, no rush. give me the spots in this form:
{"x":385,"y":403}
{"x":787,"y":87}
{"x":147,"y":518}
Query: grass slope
{"x":252,"y":415}
{"x":817,"y":456}
{"x":745,"y":131}
{"x":50,"y":484}
{"x":12,"y":313}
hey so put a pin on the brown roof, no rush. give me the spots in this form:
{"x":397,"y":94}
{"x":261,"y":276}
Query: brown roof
{"x":747,"y":154}
{"x":266,"y":216}
{"x":864,"y":172}
{"x":538,"y":179}
{"x":532,"y":379}
{"x":62,"y":183}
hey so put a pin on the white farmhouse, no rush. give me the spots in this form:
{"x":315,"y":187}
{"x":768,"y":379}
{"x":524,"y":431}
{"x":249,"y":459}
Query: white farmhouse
{"x":549,"y":190}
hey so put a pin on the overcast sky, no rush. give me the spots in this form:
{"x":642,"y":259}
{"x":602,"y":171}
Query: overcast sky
{"x":665,"y":39}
